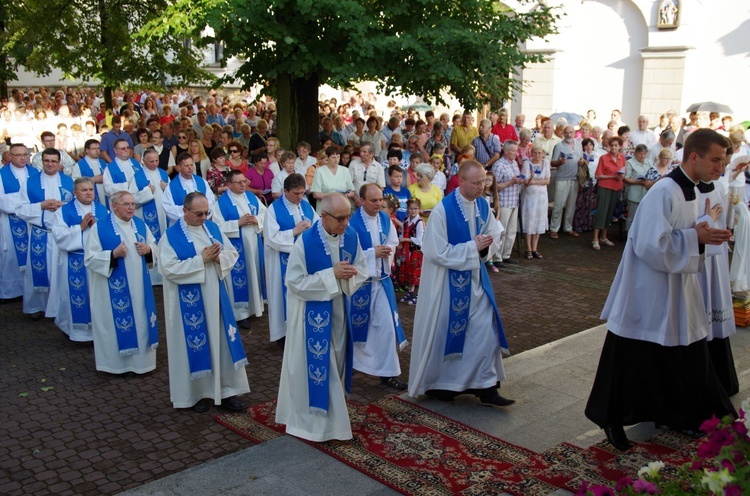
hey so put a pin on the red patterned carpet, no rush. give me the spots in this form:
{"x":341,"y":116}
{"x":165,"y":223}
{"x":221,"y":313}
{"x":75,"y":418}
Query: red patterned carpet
{"x":418,"y":452}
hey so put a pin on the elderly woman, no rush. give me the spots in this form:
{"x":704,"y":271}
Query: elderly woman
{"x":258,"y":144}
{"x":535,"y":202}
{"x":661,"y":168}
{"x":234,"y":154}
{"x":216,"y":176}
{"x":524,"y":146}
{"x":332,"y":178}
{"x":260,"y":179}
{"x":429,"y":195}
{"x":609,"y":176}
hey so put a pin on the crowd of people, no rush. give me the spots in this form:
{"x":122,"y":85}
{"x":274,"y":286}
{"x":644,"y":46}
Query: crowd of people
{"x":98,"y":206}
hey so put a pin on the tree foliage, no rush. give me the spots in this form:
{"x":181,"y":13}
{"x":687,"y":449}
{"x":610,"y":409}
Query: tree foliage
{"x":93,"y":40}
{"x":467,"y":48}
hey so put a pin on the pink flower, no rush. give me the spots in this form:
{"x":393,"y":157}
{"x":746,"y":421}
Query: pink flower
{"x":710,"y":425}
{"x":740,"y":428}
{"x":733,"y":490}
{"x":626,"y":482}
{"x":642,"y":486}
{"x":728,"y":465}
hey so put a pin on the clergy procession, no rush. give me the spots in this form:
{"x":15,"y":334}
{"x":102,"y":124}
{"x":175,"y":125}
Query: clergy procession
{"x":320,"y":262}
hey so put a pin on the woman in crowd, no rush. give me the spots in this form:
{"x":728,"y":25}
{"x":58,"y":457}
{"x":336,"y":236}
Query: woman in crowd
{"x":534,"y":200}
{"x":260,"y":179}
{"x":609,"y":175}
{"x":660,"y":169}
{"x":202,"y":162}
{"x":374,"y":136}
{"x":144,"y":143}
{"x":524,"y":146}
{"x":628,"y":148}
{"x":583,"y":219}
{"x":182,"y":145}
{"x":332,"y":178}
{"x":355,"y":137}
{"x":409,"y":252}
{"x":216,"y":176}
{"x":428,"y":194}
{"x":235,"y":160}
{"x":207,"y":141}
{"x":258,"y":144}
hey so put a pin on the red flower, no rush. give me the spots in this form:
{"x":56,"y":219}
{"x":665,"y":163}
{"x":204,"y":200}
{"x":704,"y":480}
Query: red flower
{"x":623,"y":483}
{"x":710,"y":425}
{"x":740,"y":428}
{"x":732,"y":490}
{"x":643,"y":486}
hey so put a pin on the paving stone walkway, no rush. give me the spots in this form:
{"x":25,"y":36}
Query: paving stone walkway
{"x":66,"y":429}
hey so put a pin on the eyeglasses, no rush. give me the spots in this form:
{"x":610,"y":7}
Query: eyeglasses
{"x":122,"y":148}
{"x":181,"y":137}
{"x":234,"y":151}
{"x":200,"y":215}
{"x":20,"y":154}
{"x":343,"y":218}
{"x":126,"y":205}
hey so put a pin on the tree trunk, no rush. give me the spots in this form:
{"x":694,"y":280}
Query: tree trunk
{"x":108,"y":97}
{"x":297,"y":111}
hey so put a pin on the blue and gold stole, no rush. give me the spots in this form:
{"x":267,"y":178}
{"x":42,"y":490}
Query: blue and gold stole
{"x":78,"y":288}
{"x":38,"y":241}
{"x":18,"y":228}
{"x":285,"y":220}
{"x":87,"y":171}
{"x":360,"y":304}
{"x":119,"y":288}
{"x":457,"y":227}
{"x":193,"y":309}
{"x":240,"y":283}
{"x":319,"y":317}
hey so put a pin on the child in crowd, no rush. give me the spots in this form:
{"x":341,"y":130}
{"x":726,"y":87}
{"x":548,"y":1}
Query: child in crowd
{"x":411,"y":173}
{"x":439,"y":180}
{"x":346,"y":157}
{"x":490,"y":193}
{"x":409,"y":252}
{"x":396,"y":179}
{"x":390,"y":206}
{"x":287,"y":167}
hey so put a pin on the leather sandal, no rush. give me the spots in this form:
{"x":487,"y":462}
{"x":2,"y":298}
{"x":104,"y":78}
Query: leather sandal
{"x":529,"y":255}
{"x":595,"y":245}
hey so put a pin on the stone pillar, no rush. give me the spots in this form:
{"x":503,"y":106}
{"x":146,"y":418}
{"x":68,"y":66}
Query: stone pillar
{"x":537,"y":83}
{"x":663,"y":76}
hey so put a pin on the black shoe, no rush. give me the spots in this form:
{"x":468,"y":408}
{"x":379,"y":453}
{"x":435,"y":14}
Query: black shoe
{"x":495,"y":399}
{"x":244,"y":324}
{"x":37,"y":316}
{"x":511,"y":261}
{"x":617,"y":438}
{"x":499,"y":264}
{"x":393,"y":382}
{"x":281,"y":342}
{"x":661,"y":427}
{"x":201,"y":406}
{"x":441,"y":395}
{"x":693,"y":433}
{"x":232,"y":404}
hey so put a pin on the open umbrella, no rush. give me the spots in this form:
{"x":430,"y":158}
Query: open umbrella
{"x":572,"y":118}
{"x":745,"y":124}
{"x":419,"y":107}
{"x":710,"y":107}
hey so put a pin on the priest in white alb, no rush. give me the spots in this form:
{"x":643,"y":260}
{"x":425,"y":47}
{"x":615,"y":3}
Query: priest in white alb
{"x":206,"y":356}
{"x":43,"y":195}
{"x":70,"y":230}
{"x":152,"y":212}
{"x":375,"y":324}
{"x":93,"y":167}
{"x":184,"y":183}
{"x":458,"y":337}
{"x":286,"y":219}
{"x":14,"y":232}
{"x":240,"y":216}
{"x":325,"y":266}
{"x":655,"y":364}
{"x":118,"y":251}
{"x":125,"y":174}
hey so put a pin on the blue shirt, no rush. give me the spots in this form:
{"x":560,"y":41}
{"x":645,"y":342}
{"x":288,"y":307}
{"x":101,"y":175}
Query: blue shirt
{"x":403,"y":195}
{"x":108,"y":141}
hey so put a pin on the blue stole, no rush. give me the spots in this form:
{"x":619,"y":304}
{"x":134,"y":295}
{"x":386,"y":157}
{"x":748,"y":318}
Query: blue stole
{"x":80,"y":310}
{"x":360,"y":304}
{"x":457,"y":228}
{"x":87,"y":171}
{"x":38,"y":255}
{"x":319,"y":317}
{"x":193,"y":310}
{"x":18,"y":228}
{"x":286,"y":222}
{"x":119,"y":289}
{"x":179,"y":193}
{"x":240,"y":284}
{"x":150,"y":212}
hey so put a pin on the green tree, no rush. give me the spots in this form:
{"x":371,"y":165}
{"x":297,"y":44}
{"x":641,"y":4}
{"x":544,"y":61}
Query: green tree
{"x":93,"y":40}
{"x":468,"y":48}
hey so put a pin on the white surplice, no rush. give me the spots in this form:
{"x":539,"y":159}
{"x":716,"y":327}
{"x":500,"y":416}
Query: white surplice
{"x":293,"y":408}
{"x":11,"y":273}
{"x":276,"y":242}
{"x":69,"y":239}
{"x":739,"y":271}
{"x":97,"y":260}
{"x":32,"y":213}
{"x":96,"y":168}
{"x":378,"y":356}
{"x":173,"y":210}
{"x":231,"y":229}
{"x":481,"y":365}
{"x":225,"y":380}
{"x":154,"y":178}
{"x":141,"y":196}
{"x":661,"y":258}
